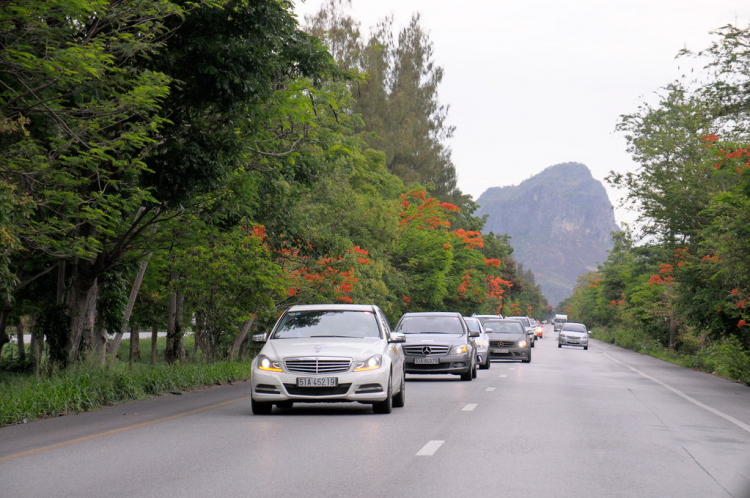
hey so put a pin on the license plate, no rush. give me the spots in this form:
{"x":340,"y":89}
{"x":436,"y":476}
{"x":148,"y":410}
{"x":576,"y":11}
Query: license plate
{"x":430,"y":361}
{"x":499,"y":350}
{"x":317,"y":381}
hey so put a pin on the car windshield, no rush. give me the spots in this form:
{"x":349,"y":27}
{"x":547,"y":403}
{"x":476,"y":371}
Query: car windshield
{"x":430,"y":325}
{"x":503,"y":327}
{"x":574,"y":327}
{"x":329,"y":323}
{"x":473,"y":324}
{"x":522,"y":319}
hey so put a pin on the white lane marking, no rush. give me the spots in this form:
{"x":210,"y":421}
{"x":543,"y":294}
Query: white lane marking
{"x":469,"y":407}
{"x":503,"y":376}
{"x":430,"y":448}
{"x":681,"y":394}
{"x":512,"y":368}
{"x":490,"y":389}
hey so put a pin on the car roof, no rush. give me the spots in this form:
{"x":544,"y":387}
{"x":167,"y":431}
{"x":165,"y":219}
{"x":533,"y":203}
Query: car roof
{"x":333,"y":307}
{"x":432,"y":313}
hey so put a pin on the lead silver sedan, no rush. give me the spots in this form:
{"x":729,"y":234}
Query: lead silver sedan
{"x":328,"y":353}
{"x":573,"y":334}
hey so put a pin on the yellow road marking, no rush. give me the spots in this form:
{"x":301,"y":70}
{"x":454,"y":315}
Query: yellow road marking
{"x":116,"y":431}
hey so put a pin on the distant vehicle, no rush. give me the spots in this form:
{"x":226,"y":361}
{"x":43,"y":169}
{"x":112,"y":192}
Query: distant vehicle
{"x":325,"y":353}
{"x":526,"y":322}
{"x":438,"y":343}
{"x":508,"y":340}
{"x":559,"y":321}
{"x":481,"y":342}
{"x":573,"y":334}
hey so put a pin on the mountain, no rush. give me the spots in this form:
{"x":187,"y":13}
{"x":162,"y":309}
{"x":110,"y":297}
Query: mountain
{"x":560,"y":223}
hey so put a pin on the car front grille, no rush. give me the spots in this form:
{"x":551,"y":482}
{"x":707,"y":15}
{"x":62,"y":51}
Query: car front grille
{"x":424,"y":350}
{"x":316,"y":365}
{"x":295,"y":390}
{"x":502,"y":344}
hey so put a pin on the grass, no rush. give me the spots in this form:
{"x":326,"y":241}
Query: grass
{"x":725,"y":358}
{"x":24,"y":396}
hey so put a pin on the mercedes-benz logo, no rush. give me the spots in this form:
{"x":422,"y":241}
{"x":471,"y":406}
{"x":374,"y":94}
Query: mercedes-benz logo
{"x":426,"y":350}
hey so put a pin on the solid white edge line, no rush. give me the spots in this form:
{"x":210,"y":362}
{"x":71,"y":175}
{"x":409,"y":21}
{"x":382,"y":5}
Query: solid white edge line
{"x":679,"y":393}
{"x":469,"y":407}
{"x":430,"y":448}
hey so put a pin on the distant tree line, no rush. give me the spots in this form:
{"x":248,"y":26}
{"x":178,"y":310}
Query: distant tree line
{"x":685,"y":280}
{"x":174,"y":164}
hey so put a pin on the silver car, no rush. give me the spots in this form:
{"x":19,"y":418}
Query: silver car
{"x":573,"y":334}
{"x":530,"y":329}
{"x":438,"y":343}
{"x":482,"y":342}
{"x":508,"y":340}
{"x":325,"y":353}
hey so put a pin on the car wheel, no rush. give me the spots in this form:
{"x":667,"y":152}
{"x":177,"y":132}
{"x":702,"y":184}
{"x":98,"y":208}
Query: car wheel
{"x":467,"y":375}
{"x":559,"y":345}
{"x":527,"y":360}
{"x":532,"y":343}
{"x":400,"y":399}
{"x":585,"y":348}
{"x":486,"y":364}
{"x":386,"y":405}
{"x":261,"y":408}
{"x":474,"y":369}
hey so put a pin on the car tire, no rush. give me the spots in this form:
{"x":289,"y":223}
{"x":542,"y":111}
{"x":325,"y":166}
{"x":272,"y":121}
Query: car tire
{"x":261,"y":408}
{"x":585,"y":348}
{"x":559,"y":345}
{"x":474,"y":369}
{"x":385,"y":406}
{"x":467,"y":375}
{"x":527,"y":360}
{"x":399,"y":400}
{"x":487,"y":363}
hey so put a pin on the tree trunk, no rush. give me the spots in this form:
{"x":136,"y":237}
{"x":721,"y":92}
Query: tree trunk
{"x":135,"y":344}
{"x":240,"y":339}
{"x":114,"y":346}
{"x":4,"y":338}
{"x":37,"y":343}
{"x":81,"y":309}
{"x":21,"y":345}
{"x":672,"y":332}
{"x":199,"y":334}
{"x":171,"y":324}
{"x":154,"y":339}
{"x":179,"y":330}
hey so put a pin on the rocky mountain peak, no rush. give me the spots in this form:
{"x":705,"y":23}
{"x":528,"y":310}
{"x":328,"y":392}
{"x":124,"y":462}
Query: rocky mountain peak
{"x":560,"y":222}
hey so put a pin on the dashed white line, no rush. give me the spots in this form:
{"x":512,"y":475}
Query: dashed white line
{"x":469,"y":407}
{"x":490,"y":389}
{"x":512,"y":368}
{"x":430,"y":448}
{"x":681,"y":394}
{"x":503,"y":376}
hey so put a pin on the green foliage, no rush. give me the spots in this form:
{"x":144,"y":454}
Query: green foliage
{"x":84,"y":388}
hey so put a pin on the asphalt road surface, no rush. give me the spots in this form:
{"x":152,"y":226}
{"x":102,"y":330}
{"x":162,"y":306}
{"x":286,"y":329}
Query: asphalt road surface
{"x":599,"y":423}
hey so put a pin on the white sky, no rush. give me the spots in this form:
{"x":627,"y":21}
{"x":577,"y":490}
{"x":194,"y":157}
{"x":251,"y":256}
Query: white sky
{"x":533,"y":83}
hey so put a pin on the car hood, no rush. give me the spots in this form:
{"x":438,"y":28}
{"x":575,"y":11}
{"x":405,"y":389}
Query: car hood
{"x":435,"y":339}
{"x":324,"y":346}
{"x":504,"y":336}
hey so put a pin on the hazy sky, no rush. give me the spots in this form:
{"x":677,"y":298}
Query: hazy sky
{"x":533,"y":83}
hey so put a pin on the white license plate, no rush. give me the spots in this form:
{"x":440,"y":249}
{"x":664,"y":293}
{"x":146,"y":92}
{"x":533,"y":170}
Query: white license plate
{"x":317,"y":381}
{"x":430,"y":361}
{"x":499,"y":350}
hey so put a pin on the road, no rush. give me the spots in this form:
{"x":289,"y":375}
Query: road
{"x":599,"y":423}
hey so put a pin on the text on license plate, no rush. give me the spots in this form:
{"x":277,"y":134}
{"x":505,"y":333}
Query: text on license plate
{"x":317,"y":381}
{"x":426,"y":360}
{"x":499,"y":350}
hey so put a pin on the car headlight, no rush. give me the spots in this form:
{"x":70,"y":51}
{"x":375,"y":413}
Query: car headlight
{"x":522,"y":343}
{"x":459,"y":349}
{"x":371,"y":363}
{"x":267,"y":364}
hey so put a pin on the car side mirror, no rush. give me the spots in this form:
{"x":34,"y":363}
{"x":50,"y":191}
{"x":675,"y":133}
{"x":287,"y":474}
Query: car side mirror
{"x":397,"y":337}
{"x":487,"y":331}
{"x":260,"y":337}
{"x":474,"y":333}
{"x":589,"y":332}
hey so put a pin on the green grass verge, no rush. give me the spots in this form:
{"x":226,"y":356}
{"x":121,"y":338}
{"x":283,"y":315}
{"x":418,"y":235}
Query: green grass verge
{"x":23,"y":397}
{"x":725,"y":358}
